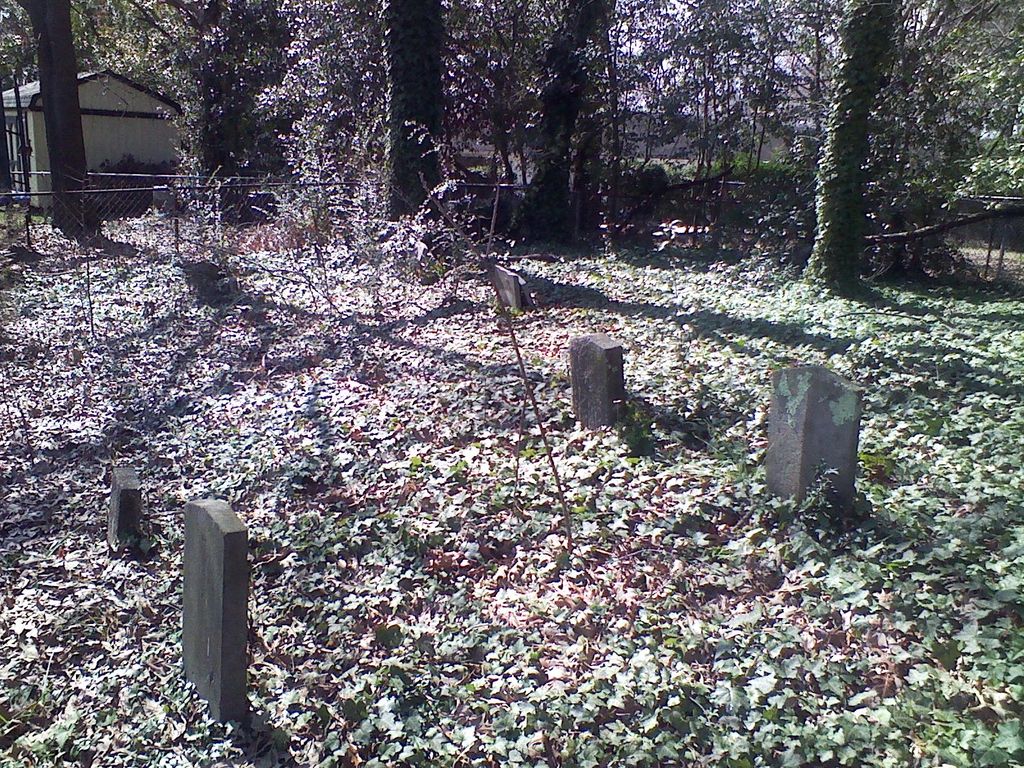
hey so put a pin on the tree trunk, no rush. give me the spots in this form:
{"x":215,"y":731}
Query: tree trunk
{"x":546,"y":213}
{"x":868,"y":33}
{"x":501,"y":149}
{"x":500,"y":121}
{"x":222,"y":112}
{"x":414,"y":35}
{"x":614,"y":180}
{"x":817,"y":88}
{"x":586,"y":197}
{"x":62,"y":116}
{"x":218,"y":150}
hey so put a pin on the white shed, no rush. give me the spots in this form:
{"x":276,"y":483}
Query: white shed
{"x":126,"y":127}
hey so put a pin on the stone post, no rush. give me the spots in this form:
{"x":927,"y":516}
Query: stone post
{"x":813,"y":426}
{"x":124,"y":515}
{"x":215,"y":615}
{"x":598,"y":386}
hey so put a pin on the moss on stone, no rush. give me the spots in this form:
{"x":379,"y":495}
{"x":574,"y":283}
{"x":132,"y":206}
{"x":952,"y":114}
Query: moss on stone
{"x":796,"y":394}
{"x":844,"y":408}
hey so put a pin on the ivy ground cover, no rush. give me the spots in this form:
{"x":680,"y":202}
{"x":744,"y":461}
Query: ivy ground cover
{"x":413,"y":600}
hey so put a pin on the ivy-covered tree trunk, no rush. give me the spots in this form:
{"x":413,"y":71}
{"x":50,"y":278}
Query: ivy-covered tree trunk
{"x":868,"y":42}
{"x":546,"y":213}
{"x":62,"y":116}
{"x":414,"y":34}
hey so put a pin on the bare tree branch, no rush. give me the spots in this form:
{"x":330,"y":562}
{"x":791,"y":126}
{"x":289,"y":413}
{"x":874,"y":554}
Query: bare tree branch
{"x":195,"y":17}
{"x":1009,"y":212}
{"x":145,"y":14}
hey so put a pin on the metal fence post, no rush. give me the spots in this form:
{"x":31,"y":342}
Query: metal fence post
{"x":1002,"y":250}
{"x":175,"y":204}
{"x":988,"y":253}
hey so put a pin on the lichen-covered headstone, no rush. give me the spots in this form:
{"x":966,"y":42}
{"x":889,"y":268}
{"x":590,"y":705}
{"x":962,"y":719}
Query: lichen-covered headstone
{"x":813,"y":427}
{"x":510,"y":287}
{"x":598,"y":385}
{"x":215,"y":615}
{"x":124,"y":515}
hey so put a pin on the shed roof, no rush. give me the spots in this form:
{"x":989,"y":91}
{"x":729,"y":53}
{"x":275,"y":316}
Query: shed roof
{"x":29,"y":92}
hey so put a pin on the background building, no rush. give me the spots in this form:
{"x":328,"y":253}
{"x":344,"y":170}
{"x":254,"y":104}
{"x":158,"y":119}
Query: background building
{"x":127,"y":128}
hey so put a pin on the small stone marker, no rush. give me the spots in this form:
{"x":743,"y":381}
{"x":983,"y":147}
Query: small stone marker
{"x":813,"y":425}
{"x":510,"y":287}
{"x":598,"y":386}
{"x":125,"y":513}
{"x":215,"y":622}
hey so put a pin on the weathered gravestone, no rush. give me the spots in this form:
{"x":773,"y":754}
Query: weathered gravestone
{"x":124,"y":514}
{"x":598,"y":386}
{"x":215,"y":615}
{"x":813,"y":426}
{"x":510,"y":287}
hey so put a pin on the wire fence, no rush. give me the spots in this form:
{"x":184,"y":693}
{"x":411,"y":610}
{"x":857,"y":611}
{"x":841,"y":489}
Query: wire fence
{"x":995,"y":248}
{"x":212,"y":209}
{"x":222,"y":206}
{"x":199,"y":212}
{"x":15,"y":222}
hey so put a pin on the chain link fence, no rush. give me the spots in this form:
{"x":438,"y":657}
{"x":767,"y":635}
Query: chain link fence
{"x":212,"y":216}
{"x":15,"y":221}
{"x":196,"y":211}
{"x":216,"y":209}
{"x":995,"y":248}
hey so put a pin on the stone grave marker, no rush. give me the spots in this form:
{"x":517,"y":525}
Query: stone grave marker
{"x":813,"y":426}
{"x":215,"y":612}
{"x":598,"y":385}
{"x":510,"y":287}
{"x":124,"y":515}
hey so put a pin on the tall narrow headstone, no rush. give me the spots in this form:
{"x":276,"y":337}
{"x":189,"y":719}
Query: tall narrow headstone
{"x":598,"y":385}
{"x":510,"y":287}
{"x":813,"y":427}
{"x":124,"y":515}
{"x":215,"y":615}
